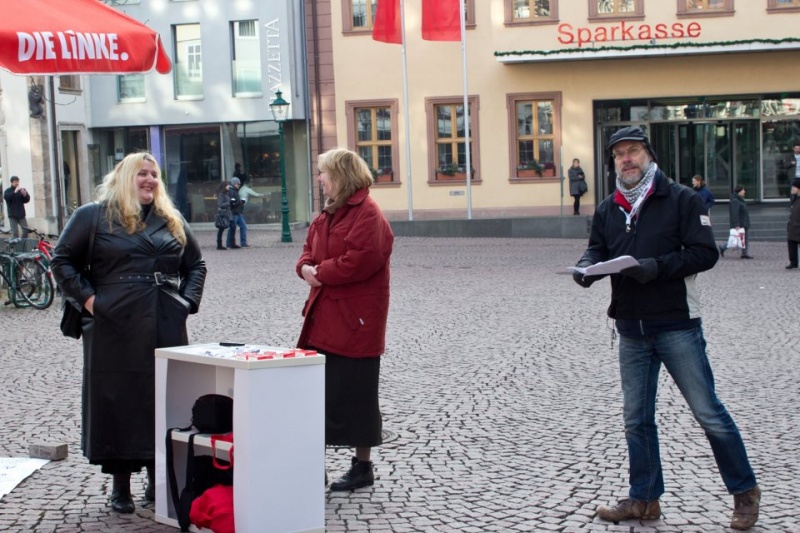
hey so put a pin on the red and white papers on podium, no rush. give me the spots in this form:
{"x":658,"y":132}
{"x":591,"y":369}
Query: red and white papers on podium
{"x":278,"y":430}
{"x":612,"y":266}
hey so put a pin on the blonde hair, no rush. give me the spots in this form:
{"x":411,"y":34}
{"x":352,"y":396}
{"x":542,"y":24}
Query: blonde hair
{"x":347,"y":171}
{"x":121,"y":196}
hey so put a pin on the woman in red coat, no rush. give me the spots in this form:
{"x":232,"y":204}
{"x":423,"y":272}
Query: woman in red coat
{"x":345,"y":261}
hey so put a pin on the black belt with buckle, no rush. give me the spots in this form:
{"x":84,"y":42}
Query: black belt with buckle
{"x":158,"y":278}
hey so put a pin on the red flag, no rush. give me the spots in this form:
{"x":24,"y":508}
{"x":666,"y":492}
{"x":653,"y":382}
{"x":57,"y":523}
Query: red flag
{"x":441,"y":20}
{"x":387,"y":22}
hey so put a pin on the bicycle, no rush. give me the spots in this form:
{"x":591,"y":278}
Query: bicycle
{"x":28,"y":281}
{"x":43,"y":245}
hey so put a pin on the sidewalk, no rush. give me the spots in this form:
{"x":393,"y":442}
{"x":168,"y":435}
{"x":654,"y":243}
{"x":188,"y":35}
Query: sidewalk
{"x":499,"y":383}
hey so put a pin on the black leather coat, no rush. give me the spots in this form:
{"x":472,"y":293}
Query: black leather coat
{"x":131,"y":320}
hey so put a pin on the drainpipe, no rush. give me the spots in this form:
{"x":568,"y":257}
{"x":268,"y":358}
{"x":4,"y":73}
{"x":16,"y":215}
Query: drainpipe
{"x":56,"y":172}
{"x":317,"y":90}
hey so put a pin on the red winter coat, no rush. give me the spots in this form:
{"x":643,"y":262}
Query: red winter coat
{"x":351,"y":249}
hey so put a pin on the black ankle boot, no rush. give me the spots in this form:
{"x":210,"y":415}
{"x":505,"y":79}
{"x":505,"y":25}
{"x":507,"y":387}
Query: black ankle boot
{"x":359,"y":475}
{"x":121,"y":500}
{"x":150,"y":489}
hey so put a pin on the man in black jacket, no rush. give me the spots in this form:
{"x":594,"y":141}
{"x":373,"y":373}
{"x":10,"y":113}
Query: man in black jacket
{"x":655,"y":304}
{"x":16,"y":197}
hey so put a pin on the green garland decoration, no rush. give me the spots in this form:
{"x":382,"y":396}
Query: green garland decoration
{"x":645,"y":47}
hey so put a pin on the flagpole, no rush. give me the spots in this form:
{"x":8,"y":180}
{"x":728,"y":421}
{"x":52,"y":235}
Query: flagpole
{"x":405,"y":107}
{"x":462,"y":19}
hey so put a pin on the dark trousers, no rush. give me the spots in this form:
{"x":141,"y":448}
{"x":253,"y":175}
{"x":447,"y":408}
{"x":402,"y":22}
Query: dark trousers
{"x":220,"y":232}
{"x":793,"y":252}
{"x":576,"y":205}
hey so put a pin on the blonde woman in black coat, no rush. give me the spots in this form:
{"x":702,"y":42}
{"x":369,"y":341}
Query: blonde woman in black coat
{"x":145,"y":277}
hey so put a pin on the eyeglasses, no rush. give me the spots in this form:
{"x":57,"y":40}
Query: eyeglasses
{"x":630,"y":152}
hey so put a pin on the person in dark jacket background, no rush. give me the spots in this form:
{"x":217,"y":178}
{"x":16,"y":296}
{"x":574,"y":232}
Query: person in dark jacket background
{"x":699,"y":186}
{"x":223,"y":206}
{"x":146,"y":276}
{"x":740,"y":218}
{"x":793,"y":227}
{"x":237,"y":218}
{"x":16,"y":197}
{"x":345,"y":261}
{"x":576,"y":176}
{"x":656,"y":309}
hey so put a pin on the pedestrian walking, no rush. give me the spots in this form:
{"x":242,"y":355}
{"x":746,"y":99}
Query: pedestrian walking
{"x":237,"y":219}
{"x":16,"y":197}
{"x":793,"y":227}
{"x":739,"y":219}
{"x":144,"y":277}
{"x":664,"y":226}
{"x":345,"y":261}
{"x":699,"y":186}
{"x":224,"y":217}
{"x":577,"y":185}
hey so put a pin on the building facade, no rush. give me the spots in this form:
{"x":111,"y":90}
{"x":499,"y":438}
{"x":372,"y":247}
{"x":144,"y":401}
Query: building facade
{"x":212,"y":111}
{"x":547,"y":81}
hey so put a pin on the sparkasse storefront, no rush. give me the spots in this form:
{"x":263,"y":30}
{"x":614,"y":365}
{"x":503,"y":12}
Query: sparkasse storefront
{"x":713,"y":82}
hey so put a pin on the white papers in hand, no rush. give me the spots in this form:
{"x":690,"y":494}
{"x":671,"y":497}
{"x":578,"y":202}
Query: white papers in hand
{"x":611,"y":266}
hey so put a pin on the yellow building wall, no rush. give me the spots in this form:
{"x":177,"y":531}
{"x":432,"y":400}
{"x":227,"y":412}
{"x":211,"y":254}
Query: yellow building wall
{"x":366,"y":69}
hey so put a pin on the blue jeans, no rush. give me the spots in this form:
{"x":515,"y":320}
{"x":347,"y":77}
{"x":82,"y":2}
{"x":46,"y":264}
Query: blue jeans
{"x":237,"y":220}
{"x":683,"y":353}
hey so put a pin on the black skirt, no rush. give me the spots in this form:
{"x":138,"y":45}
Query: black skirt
{"x":352,"y":412}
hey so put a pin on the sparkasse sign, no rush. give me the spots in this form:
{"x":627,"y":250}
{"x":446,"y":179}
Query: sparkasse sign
{"x":625,"y":31}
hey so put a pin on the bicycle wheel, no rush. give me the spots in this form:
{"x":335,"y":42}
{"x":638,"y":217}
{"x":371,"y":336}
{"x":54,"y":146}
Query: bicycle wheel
{"x":33,"y":283}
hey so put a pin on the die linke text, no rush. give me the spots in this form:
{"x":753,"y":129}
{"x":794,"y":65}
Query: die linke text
{"x":624,"y":31}
{"x":68,"y":45}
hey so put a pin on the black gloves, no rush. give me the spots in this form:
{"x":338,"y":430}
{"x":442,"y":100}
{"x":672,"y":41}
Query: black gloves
{"x":646,"y":271}
{"x":580,"y":279}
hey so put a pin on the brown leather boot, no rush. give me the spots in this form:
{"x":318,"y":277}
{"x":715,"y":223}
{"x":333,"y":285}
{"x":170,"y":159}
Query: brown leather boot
{"x":631,"y":509}
{"x":745,"y":509}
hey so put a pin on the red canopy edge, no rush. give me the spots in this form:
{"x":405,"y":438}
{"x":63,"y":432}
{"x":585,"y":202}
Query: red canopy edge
{"x":51,"y":37}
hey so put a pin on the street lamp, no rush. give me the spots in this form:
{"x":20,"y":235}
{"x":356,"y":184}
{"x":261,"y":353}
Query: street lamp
{"x":280,"y":109}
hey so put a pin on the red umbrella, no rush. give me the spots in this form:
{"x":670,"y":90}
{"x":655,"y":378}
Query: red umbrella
{"x":75,"y":37}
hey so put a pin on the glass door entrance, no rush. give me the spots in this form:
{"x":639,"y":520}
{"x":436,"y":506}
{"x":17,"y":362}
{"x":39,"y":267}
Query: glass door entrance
{"x":725,"y":153}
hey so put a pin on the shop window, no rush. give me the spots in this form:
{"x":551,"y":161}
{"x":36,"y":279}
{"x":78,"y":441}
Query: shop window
{"x":246,"y":60}
{"x":358,"y":16}
{"x":526,"y":12}
{"x":372,"y":132}
{"x":600,"y":10}
{"x":704,"y":8}
{"x":535,"y":121}
{"x":130,"y":88}
{"x":447,"y":134}
{"x":782,"y":6}
{"x":188,"y":66}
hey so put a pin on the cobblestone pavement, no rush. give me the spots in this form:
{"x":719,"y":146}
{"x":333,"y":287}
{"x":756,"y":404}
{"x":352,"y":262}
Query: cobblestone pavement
{"x":499,"y":382}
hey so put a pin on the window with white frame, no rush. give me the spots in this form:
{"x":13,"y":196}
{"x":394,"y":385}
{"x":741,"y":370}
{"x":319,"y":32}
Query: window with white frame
{"x":246,"y":60}
{"x":130,"y":88}
{"x":188,"y":71}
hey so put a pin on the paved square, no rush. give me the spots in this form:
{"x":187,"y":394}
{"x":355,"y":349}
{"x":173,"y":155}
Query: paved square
{"x":499,"y":380}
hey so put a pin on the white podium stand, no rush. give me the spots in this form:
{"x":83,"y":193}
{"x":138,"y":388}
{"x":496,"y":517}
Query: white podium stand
{"x":278,"y":427}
